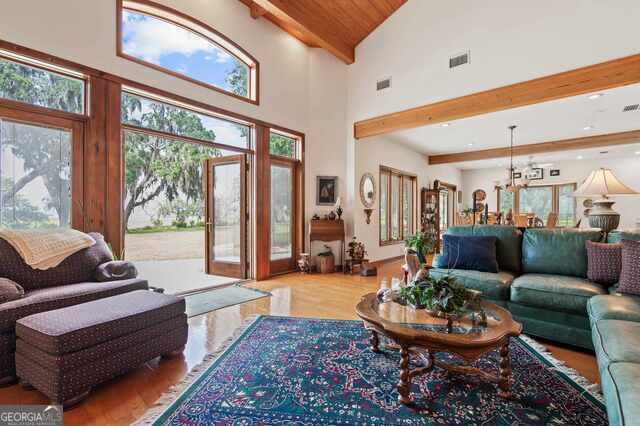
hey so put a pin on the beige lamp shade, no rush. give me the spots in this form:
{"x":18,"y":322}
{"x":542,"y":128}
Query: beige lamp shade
{"x":603,"y":182}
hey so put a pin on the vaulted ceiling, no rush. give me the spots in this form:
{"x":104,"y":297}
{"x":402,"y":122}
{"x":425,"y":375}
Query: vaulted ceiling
{"x":335,"y":25}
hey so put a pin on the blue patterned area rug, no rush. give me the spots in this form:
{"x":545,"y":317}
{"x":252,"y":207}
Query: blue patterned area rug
{"x":298,"y":371}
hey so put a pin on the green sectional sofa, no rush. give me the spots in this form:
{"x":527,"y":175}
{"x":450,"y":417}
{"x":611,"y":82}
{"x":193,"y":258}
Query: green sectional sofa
{"x":542,"y":281}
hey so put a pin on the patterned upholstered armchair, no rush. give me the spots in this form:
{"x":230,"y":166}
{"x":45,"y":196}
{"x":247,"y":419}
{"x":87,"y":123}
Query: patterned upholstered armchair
{"x":87,"y":275}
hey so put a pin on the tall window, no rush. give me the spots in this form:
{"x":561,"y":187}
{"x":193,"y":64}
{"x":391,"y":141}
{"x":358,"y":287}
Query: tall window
{"x":35,"y":172}
{"x":285,"y":161}
{"x":397,"y":205}
{"x":444,"y":209}
{"x":505,"y":202}
{"x":41,"y":150}
{"x":541,"y":201}
{"x":165,"y":146}
{"x":168,"y":40}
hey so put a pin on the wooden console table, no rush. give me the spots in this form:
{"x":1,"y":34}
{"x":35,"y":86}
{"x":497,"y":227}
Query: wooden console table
{"x":328,"y":230}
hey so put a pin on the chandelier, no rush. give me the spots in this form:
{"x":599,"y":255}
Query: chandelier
{"x":509,"y":182}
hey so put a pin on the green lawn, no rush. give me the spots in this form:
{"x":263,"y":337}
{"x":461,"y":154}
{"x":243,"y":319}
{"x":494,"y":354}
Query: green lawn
{"x":156,"y":229}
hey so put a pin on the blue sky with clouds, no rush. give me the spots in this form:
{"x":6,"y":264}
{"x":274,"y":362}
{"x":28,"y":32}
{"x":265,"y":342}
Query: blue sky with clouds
{"x":173,"y":47}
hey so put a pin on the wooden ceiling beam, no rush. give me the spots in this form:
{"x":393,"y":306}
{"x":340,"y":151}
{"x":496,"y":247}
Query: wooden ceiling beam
{"x":609,"y":139}
{"x":296,"y":19}
{"x":593,"y":78}
{"x":256,"y":11}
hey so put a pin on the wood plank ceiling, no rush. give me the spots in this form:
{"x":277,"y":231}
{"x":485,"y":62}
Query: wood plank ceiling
{"x":335,"y":25}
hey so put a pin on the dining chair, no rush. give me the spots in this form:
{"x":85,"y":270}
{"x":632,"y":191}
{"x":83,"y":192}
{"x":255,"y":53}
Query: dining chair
{"x":521,"y":220}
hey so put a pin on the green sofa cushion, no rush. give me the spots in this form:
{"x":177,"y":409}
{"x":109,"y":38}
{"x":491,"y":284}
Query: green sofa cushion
{"x":618,"y":236}
{"x":621,"y":389}
{"x":547,"y":251}
{"x":565,"y":327}
{"x":508,"y":244}
{"x":493,"y":286}
{"x":614,"y":307}
{"x":616,"y":341}
{"x":554,"y":292}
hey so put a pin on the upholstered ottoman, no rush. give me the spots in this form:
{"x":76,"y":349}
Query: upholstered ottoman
{"x":65,"y":352}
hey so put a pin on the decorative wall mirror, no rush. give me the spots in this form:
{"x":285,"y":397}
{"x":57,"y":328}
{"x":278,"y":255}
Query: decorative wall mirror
{"x":367,"y":190}
{"x":368,"y":194}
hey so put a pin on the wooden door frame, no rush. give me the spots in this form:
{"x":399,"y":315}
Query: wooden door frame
{"x":453,"y":190}
{"x":231,"y":269}
{"x":38,"y":118}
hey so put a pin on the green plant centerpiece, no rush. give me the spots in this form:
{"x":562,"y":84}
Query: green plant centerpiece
{"x":422,"y":243}
{"x":444,"y":297}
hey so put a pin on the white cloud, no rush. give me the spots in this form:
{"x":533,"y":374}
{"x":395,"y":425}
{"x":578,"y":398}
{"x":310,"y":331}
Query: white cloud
{"x":222,"y":57}
{"x":150,"y":39}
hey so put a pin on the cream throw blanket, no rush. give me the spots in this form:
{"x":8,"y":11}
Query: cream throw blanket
{"x":44,"y":249}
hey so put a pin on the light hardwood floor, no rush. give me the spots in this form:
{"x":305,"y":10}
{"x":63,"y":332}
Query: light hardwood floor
{"x":125,"y":399}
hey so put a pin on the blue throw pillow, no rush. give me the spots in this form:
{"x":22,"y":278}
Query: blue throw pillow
{"x":473,"y":253}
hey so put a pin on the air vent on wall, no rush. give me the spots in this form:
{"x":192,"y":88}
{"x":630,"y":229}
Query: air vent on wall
{"x":631,"y":108}
{"x":461,"y":59}
{"x":383,"y":84}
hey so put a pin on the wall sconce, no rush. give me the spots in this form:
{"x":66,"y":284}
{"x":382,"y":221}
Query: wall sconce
{"x":368,"y":213}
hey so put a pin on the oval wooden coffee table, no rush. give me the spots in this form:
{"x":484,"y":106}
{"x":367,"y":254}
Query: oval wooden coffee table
{"x":415,"y":331}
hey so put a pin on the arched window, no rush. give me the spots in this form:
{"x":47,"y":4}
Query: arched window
{"x":170,"y":41}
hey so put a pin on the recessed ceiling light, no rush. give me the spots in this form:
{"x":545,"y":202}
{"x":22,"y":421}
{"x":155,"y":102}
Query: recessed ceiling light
{"x":446,"y":124}
{"x":596,"y":96}
{"x":470,"y":144}
{"x":587,"y":128}
{"x":579,"y":157}
{"x":637,"y":152}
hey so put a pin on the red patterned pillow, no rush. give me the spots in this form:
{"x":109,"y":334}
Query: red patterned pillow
{"x":630,"y":274}
{"x":604,"y":262}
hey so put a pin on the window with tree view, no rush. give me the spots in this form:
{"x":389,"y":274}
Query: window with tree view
{"x":40,"y":87}
{"x":540,"y":201}
{"x":185,"y":48}
{"x":164,"y":193}
{"x":152,"y":114}
{"x":35,"y":176}
{"x":397,"y":205}
{"x":281,"y":145}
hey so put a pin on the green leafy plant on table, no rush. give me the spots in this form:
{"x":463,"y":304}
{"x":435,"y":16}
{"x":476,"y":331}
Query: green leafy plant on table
{"x":440,"y":295}
{"x":422,"y":243}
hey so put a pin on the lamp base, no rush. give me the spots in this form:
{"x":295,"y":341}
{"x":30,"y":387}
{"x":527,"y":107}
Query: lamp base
{"x":603,"y":216}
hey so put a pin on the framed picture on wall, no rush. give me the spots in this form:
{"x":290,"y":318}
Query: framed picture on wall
{"x":326,"y":190}
{"x":554,"y":172}
{"x":517,"y":175}
{"x":535,"y":174}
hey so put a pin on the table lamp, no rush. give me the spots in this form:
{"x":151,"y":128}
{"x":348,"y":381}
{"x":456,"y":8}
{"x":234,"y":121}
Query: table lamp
{"x":603,"y":183}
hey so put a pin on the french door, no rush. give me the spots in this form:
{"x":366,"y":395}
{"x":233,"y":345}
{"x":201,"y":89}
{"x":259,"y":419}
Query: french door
{"x":226,"y":216}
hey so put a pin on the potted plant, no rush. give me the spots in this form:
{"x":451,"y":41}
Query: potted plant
{"x":443,"y":297}
{"x":326,"y":261}
{"x":422,"y":243}
{"x":356,"y":249}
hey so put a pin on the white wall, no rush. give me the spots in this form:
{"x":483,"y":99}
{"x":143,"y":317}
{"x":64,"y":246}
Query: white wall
{"x":510,"y":41}
{"x":326,"y":140}
{"x":380,"y":151}
{"x":626,"y":169}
